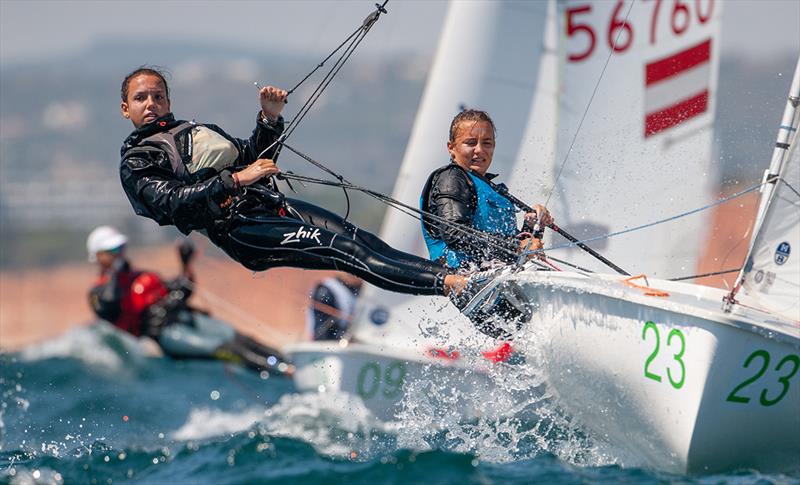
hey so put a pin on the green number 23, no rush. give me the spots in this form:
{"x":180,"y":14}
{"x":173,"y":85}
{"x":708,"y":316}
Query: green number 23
{"x":678,"y":357}
{"x":764,"y":399}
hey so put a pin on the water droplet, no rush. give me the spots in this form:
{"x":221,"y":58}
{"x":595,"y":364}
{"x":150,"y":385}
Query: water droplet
{"x":214,"y":395}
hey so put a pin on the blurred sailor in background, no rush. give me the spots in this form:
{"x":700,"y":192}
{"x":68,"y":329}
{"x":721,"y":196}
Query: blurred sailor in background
{"x":142,"y":304}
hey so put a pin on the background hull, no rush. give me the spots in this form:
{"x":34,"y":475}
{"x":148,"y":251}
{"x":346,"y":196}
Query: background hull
{"x":383,"y":378}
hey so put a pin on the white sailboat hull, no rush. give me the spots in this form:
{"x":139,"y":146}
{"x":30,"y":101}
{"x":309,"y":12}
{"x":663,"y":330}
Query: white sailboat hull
{"x":383,"y":376}
{"x":670,"y":381}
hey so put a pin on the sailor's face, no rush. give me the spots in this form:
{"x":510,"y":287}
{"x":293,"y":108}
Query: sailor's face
{"x":106,"y":258}
{"x":473,"y":147}
{"x":147,"y":100}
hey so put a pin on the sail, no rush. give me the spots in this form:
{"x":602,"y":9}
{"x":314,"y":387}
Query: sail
{"x":771,"y":278}
{"x":488,"y":58}
{"x":635,"y":108}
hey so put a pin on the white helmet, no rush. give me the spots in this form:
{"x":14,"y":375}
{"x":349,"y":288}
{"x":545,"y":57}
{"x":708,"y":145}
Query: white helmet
{"x":103,"y":238}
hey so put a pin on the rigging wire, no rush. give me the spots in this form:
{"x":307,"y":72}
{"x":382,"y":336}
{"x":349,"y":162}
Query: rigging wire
{"x":474,"y":234}
{"x":655,"y":223}
{"x":340,"y":62}
{"x":414,"y":212}
{"x":705,"y":275}
{"x":789,"y":186}
{"x":488,"y":239}
{"x":354,"y":40}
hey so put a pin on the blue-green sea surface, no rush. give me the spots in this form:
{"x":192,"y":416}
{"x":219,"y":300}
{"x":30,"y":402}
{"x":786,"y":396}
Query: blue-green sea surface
{"x":92,"y":408}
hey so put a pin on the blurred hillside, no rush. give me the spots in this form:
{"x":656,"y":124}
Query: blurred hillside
{"x":60,"y":132}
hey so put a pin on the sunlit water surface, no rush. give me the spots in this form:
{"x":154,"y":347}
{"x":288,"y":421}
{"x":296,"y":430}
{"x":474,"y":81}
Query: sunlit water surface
{"x":92,"y":408}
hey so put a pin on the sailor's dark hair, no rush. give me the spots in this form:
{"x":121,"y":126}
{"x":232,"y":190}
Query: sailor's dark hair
{"x":157,"y":71}
{"x":474,"y":115}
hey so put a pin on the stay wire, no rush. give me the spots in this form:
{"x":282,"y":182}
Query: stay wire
{"x":354,"y":40}
{"x":418,"y":214}
{"x":654,"y":223}
{"x":493,"y":241}
{"x":705,"y":275}
{"x":323,"y":84}
{"x":588,"y":105}
{"x":789,"y":186}
{"x":411,"y":211}
{"x":481,"y":236}
{"x":396,"y":204}
{"x":322,"y":63}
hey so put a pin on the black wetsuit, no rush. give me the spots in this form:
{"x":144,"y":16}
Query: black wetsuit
{"x":255,"y":225}
{"x":112,"y":300}
{"x":451,"y":194}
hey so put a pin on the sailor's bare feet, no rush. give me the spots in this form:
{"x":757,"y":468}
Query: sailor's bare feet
{"x":454,"y":284}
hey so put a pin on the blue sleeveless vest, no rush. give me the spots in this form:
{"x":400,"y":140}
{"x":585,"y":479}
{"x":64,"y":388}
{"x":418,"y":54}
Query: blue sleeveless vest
{"x":494,"y":214}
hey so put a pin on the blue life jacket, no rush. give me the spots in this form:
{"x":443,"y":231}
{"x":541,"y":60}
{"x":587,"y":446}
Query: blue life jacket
{"x":493,"y":214}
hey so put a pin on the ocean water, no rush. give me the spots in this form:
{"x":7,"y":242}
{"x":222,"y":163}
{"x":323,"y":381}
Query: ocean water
{"x":91,"y":407}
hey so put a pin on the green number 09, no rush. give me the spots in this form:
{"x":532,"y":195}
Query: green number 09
{"x":369,"y":379}
{"x":394,"y":376}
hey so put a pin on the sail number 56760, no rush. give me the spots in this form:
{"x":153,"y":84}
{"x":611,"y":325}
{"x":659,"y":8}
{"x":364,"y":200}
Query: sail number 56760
{"x":620,"y":32}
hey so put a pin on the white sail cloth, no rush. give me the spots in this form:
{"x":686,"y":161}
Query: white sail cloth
{"x":772,"y":273}
{"x":488,"y":58}
{"x":633,"y":121}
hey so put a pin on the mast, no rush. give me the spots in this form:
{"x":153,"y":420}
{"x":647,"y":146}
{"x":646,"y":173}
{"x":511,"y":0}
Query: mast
{"x":786,"y":133}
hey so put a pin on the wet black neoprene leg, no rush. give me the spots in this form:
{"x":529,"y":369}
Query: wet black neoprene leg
{"x":319,"y":239}
{"x":320,"y":217}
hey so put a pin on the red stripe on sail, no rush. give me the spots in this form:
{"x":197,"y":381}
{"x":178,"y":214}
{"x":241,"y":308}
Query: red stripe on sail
{"x":676,"y":114}
{"x":677,"y":63}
